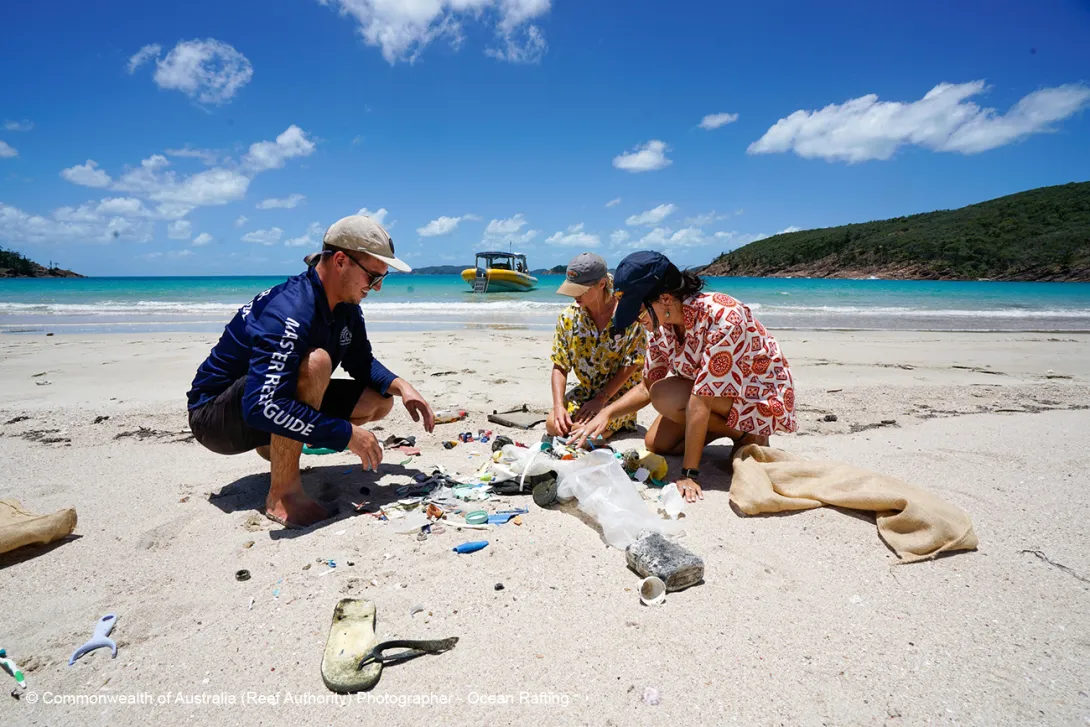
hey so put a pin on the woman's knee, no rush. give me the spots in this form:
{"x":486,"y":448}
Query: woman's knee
{"x":670,"y":396}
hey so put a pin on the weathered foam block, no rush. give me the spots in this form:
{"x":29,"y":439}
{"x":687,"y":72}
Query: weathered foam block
{"x":654,"y":555}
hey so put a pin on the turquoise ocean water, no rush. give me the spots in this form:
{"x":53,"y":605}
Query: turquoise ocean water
{"x":429,"y":302}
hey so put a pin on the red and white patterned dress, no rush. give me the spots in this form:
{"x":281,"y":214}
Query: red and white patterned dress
{"x":727,"y":352}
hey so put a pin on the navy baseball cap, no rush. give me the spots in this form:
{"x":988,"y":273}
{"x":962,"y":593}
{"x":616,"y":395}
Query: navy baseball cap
{"x":640,"y":276}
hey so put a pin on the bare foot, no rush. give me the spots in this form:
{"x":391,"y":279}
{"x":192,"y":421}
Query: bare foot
{"x":295,"y":510}
{"x":761,"y":440}
{"x":747,"y":439}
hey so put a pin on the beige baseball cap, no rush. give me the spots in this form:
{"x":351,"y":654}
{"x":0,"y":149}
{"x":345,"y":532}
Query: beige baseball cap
{"x":360,"y":233}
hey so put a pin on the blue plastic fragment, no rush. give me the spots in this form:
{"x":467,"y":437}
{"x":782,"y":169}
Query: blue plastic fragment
{"x":502,"y":518}
{"x":471,"y":547}
{"x":103,"y":627}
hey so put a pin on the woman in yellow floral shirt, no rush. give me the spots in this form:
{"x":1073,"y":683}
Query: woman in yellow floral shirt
{"x":605,"y":364}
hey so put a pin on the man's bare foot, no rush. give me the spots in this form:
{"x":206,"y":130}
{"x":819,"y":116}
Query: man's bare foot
{"x":295,"y":510}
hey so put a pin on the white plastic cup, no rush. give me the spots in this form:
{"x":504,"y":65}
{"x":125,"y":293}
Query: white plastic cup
{"x":652,"y":591}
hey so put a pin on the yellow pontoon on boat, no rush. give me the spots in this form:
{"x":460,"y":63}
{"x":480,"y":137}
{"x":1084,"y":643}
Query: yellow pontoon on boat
{"x":499,"y":272}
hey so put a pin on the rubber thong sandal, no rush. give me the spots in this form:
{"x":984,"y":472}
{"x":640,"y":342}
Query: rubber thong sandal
{"x":353,"y":658}
{"x":351,"y":638}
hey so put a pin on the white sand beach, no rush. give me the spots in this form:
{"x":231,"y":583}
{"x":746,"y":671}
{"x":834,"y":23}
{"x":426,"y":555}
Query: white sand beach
{"x":803,"y":619}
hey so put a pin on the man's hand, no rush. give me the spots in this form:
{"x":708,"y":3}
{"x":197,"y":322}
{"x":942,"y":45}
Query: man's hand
{"x":562,"y":419}
{"x":365,"y":445}
{"x":417,"y":407}
{"x":589,"y":410}
{"x":592,"y":429}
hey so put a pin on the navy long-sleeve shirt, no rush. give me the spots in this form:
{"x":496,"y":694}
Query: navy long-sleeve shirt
{"x":265,"y":342}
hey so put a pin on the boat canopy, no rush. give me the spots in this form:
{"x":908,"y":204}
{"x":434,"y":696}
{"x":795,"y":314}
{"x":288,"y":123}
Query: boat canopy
{"x":503,"y":261}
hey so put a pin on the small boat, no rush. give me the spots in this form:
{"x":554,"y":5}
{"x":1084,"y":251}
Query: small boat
{"x":500,"y":272}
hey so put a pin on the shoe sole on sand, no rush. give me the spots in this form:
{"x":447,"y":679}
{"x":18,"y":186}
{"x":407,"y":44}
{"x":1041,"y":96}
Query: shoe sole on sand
{"x":351,"y":636}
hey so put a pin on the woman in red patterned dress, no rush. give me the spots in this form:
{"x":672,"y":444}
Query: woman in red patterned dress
{"x":712,"y":370}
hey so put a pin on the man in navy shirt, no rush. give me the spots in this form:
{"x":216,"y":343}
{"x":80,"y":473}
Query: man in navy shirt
{"x":266,"y":384}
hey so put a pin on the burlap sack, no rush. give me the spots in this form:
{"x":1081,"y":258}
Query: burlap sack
{"x":19,"y":527}
{"x":916,"y":524}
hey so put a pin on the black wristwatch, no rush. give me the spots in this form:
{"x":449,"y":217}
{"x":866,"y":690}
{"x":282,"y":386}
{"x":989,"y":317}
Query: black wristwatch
{"x":690,"y":473}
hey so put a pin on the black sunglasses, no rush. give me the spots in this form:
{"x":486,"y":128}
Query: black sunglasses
{"x":373,"y":279}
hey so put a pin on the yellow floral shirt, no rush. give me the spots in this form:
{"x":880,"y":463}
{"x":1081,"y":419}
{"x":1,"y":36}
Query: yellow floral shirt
{"x":595,"y":357}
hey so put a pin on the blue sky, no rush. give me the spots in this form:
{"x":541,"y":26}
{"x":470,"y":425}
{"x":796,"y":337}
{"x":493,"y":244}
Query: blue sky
{"x":222,"y":137}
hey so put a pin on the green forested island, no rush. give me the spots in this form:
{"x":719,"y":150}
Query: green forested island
{"x":1042,"y":234}
{"x":14,"y":265}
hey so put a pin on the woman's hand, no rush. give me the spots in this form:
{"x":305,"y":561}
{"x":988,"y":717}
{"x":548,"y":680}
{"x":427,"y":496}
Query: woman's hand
{"x":690,"y":490}
{"x":592,"y":429}
{"x":589,"y":410}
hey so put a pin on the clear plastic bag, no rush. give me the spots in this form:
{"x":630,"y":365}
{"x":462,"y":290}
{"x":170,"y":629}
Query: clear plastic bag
{"x":598,"y":481}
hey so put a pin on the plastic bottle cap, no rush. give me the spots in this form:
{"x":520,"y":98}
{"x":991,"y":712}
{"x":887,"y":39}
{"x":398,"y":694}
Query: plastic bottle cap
{"x":652,"y":591}
{"x":477,"y":517}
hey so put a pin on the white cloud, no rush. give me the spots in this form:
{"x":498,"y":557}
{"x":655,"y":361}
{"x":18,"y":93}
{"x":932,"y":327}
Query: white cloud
{"x":357,"y":140}
{"x":24,"y":125}
{"x":506,"y":227}
{"x":652,"y":216}
{"x":574,"y":237}
{"x":311,"y":238}
{"x":215,"y":186}
{"x":211,"y":187}
{"x":207,"y":156}
{"x":688,"y":237}
{"x":169,"y":255}
{"x":619,"y":237}
{"x":508,"y":231}
{"x":865,"y":128}
{"x":667,"y":239}
{"x":287,"y":203}
{"x":714,"y":121}
{"x":264,"y":237}
{"x":202,"y":239}
{"x":613,"y":202}
{"x":87,"y":175}
{"x":180,"y":230}
{"x":738,"y":239}
{"x":647,"y":158}
{"x":210,"y":71}
{"x":263,"y":155}
{"x":123,"y":206}
{"x":526,"y":46}
{"x":443,"y":225}
{"x":704,"y":219}
{"x":378,"y":215}
{"x":172,"y":210}
{"x":242,"y":219}
{"x":142,"y":56}
{"x":402,"y":29}
{"x":68,"y":224}
{"x":6,"y":151}
{"x":789,"y":228}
